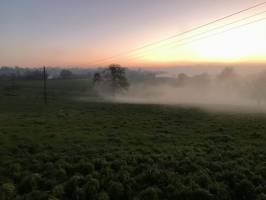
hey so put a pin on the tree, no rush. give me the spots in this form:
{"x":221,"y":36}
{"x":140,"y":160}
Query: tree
{"x":36,"y":74}
{"x":118,"y":78}
{"x":97,"y":79}
{"x":257,"y":88}
{"x":227,"y":74}
{"x":182,"y":79}
{"x":66,"y":74}
{"x":228,"y":80}
{"x":111,"y":80}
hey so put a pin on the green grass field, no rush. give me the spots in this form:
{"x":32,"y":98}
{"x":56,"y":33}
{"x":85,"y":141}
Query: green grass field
{"x":98,"y":150}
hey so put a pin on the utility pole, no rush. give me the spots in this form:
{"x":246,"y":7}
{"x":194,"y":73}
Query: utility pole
{"x":44,"y":86}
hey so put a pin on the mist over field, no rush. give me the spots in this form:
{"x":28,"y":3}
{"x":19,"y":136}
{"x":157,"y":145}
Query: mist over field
{"x":226,"y":87}
{"x":219,"y":91}
{"x":167,"y":94}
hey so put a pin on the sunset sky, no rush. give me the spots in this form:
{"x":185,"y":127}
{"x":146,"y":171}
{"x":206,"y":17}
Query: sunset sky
{"x":82,"y":32}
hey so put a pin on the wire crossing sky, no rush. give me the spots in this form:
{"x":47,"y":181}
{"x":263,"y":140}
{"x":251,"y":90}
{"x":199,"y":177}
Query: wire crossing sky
{"x":211,"y":32}
{"x":185,"y":32}
{"x":78,"y":32}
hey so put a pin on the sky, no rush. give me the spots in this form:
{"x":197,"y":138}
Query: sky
{"x":83,"y":32}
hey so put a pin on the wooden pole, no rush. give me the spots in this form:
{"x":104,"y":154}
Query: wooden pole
{"x":44,"y":86}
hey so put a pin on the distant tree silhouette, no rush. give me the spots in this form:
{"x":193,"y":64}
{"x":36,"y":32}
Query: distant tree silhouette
{"x":201,"y":81}
{"x":228,"y":79}
{"x":34,"y":74}
{"x":258,"y":88}
{"x":182,"y":79}
{"x":118,"y":78}
{"x":111,"y":80}
{"x":96,"y":78}
{"x":66,"y":74}
{"x":227,"y":73}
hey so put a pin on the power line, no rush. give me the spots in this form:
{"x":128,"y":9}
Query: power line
{"x":233,"y":28}
{"x":196,"y":35}
{"x":44,"y":85}
{"x":211,"y":35}
{"x":179,"y":34}
{"x":203,"y":33}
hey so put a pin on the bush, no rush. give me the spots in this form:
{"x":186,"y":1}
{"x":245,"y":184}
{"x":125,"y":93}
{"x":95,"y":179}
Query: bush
{"x":37,"y":195}
{"x":103,"y":196}
{"x":7,"y":191}
{"x":90,"y":189}
{"x":116,"y":190}
{"x":150,"y":193}
{"x":85,"y":167}
{"x":245,"y":190}
{"x":72,"y":187}
{"x":29,"y":183}
{"x":58,"y":191}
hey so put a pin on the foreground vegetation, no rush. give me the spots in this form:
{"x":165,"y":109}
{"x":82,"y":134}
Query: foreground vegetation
{"x":89,"y":150}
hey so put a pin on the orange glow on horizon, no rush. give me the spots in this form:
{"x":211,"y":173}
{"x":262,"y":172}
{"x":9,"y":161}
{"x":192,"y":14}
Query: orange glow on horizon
{"x":247,"y":44}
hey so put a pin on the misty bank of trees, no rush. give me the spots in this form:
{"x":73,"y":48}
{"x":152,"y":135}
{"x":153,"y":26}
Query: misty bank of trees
{"x":228,"y":83}
{"x":115,"y":79}
{"x":21,"y":73}
{"x":36,"y":73}
{"x":226,"y":87}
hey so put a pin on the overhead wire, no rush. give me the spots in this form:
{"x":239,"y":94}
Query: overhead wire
{"x":96,"y":62}
{"x":177,"y":43}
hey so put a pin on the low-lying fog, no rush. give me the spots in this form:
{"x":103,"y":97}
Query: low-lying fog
{"x":209,"y":91}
